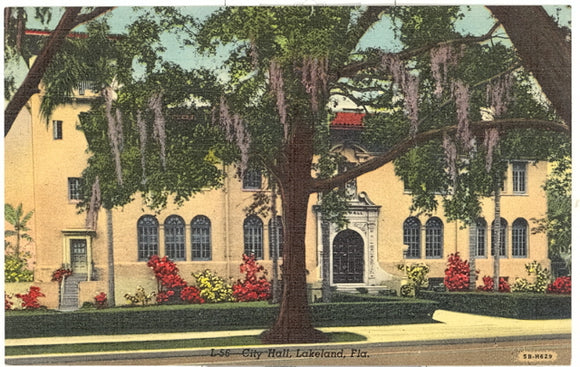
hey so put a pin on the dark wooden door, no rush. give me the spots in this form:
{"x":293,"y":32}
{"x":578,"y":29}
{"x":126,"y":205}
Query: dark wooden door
{"x":348,"y":257}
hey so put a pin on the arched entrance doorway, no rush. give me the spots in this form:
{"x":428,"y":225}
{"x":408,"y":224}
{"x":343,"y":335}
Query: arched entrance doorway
{"x":348,"y":257}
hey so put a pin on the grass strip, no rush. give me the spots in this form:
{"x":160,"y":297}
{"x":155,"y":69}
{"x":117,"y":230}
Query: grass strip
{"x":21,"y":350}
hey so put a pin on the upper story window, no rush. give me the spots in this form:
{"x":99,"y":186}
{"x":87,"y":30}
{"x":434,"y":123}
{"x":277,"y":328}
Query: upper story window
{"x":57,"y":130}
{"x":412,"y":237}
{"x":75,"y":188}
{"x":252,"y":180}
{"x":519,"y":177}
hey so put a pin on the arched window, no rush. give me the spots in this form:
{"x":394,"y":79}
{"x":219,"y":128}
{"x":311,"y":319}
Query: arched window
{"x":147,"y":237}
{"x":200,"y":238}
{"x":480,"y":237}
{"x":520,"y":238}
{"x":253,"y":237}
{"x":174,"y":229}
{"x":276,"y":238}
{"x":412,"y":237}
{"x":502,"y":238}
{"x":434,"y":238}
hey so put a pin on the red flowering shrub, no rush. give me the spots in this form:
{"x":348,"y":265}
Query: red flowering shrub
{"x":488,"y":285}
{"x":170,"y":285}
{"x":253,"y":288}
{"x":562,"y":285}
{"x":7,"y":303}
{"x":164,"y":296}
{"x":457,"y":273}
{"x":60,"y":274}
{"x":191,"y":295}
{"x":30,"y":299}
{"x":101,"y":300}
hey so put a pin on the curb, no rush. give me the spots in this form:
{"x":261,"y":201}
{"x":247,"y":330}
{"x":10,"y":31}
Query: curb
{"x":177,"y":353}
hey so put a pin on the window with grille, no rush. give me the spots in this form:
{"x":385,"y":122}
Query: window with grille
{"x":57,"y":129}
{"x":502,"y":238}
{"x":412,"y":237}
{"x":519,"y":177}
{"x":75,"y":188}
{"x":480,"y":237}
{"x":201,"y":238}
{"x":434,"y":238}
{"x":253,"y":237}
{"x":174,"y":229}
{"x":520,"y":238}
{"x":252,"y":180}
{"x":147,"y":237}
{"x":276,"y":234}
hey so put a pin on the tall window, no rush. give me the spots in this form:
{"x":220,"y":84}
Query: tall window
{"x":412,"y":237}
{"x":147,"y":237}
{"x":74,"y":188}
{"x":434,"y":238}
{"x":200,"y":238}
{"x":519,"y":177}
{"x":174,"y":228}
{"x":480,"y":237}
{"x":57,"y":129}
{"x":252,"y":180}
{"x":276,"y":237}
{"x":502,"y":238}
{"x":520,"y":238}
{"x":253,"y":237}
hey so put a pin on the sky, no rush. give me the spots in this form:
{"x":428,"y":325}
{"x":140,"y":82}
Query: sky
{"x":477,"y":21}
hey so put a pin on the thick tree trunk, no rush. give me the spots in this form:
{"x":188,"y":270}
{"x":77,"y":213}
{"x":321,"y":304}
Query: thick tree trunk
{"x":293,"y":324}
{"x":544,"y":51}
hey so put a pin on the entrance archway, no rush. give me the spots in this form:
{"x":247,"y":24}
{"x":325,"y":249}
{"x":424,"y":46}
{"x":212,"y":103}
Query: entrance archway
{"x":348,"y":257}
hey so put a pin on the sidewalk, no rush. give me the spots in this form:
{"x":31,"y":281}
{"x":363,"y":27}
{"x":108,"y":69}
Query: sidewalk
{"x":452,"y":327}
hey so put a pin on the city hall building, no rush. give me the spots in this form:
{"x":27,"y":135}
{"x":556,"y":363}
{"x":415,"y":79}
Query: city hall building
{"x":43,"y":167}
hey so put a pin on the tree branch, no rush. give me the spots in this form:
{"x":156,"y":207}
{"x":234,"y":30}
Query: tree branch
{"x":544,"y":51}
{"x":421,"y":138}
{"x":351,"y":69}
{"x":29,"y":86}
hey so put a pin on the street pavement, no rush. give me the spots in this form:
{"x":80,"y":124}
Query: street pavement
{"x":450,"y":328}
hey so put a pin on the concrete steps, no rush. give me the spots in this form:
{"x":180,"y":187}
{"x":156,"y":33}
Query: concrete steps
{"x":70,"y":295}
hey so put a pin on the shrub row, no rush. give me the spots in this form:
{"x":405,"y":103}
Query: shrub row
{"x":227,"y":316}
{"x":357,"y":297}
{"x":513,"y":305}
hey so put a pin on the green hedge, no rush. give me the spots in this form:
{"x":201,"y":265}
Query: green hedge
{"x":513,"y":305}
{"x":359,"y":297}
{"x":227,"y":316}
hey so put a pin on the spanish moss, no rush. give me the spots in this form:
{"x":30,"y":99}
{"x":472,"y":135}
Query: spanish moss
{"x":115,"y":130}
{"x":461,"y":94}
{"x":450,"y":156}
{"x":236,"y":132}
{"x":277,"y":88}
{"x":442,"y":58}
{"x":142,"y":143}
{"x":155,"y":104}
{"x":94,"y":206}
{"x":409,"y":85}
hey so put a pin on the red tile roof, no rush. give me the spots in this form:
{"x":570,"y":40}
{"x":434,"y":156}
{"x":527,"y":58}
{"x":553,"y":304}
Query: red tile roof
{"x":348,"y":120}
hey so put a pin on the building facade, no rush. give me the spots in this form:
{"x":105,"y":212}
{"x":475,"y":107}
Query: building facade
{"x":44,"y":161}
